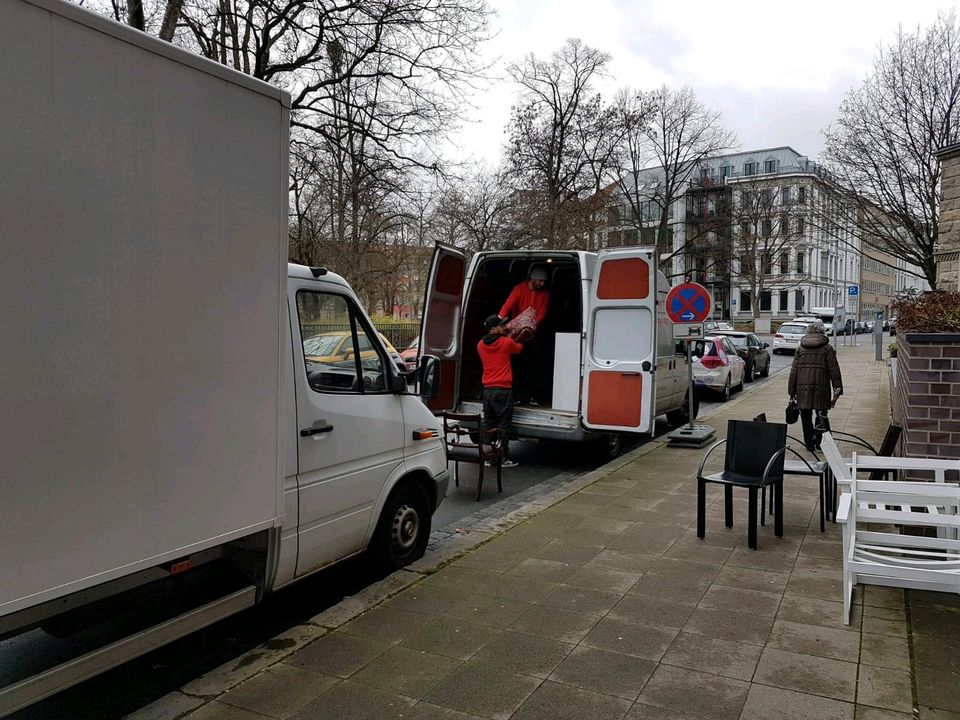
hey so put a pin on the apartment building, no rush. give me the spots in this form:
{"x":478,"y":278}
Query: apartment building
{"x":878,"y":283}
{"x":758,"y":228}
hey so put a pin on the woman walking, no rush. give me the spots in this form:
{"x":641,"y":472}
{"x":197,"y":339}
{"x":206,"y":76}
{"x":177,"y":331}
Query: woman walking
{"x":815,"y":369}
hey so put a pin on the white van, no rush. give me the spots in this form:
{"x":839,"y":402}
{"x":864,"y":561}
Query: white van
{"x":608,"y":363}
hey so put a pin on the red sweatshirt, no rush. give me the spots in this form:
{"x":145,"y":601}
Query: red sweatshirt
{"x":522,"y":297}
{"x":495,"y":357}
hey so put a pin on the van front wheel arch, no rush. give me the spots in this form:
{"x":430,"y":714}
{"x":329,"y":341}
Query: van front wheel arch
{"x":403,"y":529}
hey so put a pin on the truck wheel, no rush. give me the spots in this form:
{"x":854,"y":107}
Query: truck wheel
{"x":609,"y":447}
{"x":404,"y":528}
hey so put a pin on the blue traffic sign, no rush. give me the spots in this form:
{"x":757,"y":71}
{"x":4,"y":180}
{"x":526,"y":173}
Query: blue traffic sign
{"x":688,"y":302}
{"x":853,"y":291}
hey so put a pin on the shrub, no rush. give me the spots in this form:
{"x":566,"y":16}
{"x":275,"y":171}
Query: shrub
{"x":892,"y":347}
{"x":932,"y":312}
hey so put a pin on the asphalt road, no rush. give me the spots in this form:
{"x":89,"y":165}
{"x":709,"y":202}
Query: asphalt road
{"x":138,"y":683}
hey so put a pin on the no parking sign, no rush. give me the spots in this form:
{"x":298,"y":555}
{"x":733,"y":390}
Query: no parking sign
{"x":688,"y":303}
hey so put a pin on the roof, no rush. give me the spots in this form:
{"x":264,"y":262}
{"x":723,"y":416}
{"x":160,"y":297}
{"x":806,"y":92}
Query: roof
{"x":947,"y":151}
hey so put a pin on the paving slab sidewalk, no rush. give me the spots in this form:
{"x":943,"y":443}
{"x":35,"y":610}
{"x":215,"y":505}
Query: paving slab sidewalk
{"x":606,"y":605}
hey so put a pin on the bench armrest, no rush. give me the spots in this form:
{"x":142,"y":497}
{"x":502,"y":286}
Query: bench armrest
{"x":843,"y":508}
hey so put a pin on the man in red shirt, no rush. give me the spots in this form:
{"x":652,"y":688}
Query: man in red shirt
{"x":495,"y":349}
{"x":531,"y":293}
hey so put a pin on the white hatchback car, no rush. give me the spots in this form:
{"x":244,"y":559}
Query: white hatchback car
{"x":717,"y":366}
{"x":787,"y":338}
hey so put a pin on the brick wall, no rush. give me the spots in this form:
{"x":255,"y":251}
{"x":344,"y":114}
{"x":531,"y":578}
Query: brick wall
{"x":926,"y":401}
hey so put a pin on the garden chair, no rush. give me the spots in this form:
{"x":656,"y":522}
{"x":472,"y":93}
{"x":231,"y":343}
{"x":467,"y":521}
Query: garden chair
{"x":460,"y":433}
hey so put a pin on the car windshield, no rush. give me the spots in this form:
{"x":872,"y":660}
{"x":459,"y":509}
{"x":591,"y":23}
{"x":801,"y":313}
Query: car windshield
{"x":321,"y":344}
{"x":793,"y":329}
{"x":739,"y":341}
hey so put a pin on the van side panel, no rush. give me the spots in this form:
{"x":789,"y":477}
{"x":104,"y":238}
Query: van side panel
{"x":141,"y":285}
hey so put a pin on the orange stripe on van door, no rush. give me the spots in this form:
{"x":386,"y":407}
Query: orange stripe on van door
{"x":613,"y":398}
{"x":625,"y":279}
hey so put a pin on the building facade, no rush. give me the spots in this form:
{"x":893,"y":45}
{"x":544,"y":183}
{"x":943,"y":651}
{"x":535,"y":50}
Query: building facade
{"x":878,"y":283}
{"x":948,"y":251}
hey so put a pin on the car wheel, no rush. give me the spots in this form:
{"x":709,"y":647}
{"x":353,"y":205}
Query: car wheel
{"x":404,"y":528}
{"x":766,"y":369}
{"x":725,"y":393}
{"x":748,"y":373}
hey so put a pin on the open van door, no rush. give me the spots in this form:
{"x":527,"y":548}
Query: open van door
{"x":442,"y":310}
{"x":620,"y":358}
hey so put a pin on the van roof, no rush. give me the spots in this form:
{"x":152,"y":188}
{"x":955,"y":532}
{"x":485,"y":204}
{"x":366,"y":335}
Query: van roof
{"x":302,"y":272}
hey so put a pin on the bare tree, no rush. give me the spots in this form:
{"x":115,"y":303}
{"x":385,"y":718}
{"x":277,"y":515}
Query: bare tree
{"x":763,"y":229}
{"x":880,"y":150}
{"x":553,"y":128}
{"x":477,"y":207}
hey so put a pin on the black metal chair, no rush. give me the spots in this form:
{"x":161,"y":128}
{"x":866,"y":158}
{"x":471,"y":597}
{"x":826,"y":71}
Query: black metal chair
{"x":753,"y":459}
{"x":460,"y":433}
{"x":801,"y":466}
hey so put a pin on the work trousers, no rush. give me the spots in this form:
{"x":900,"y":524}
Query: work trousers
{"x":498,"y":413}
{"x":814,"y":427}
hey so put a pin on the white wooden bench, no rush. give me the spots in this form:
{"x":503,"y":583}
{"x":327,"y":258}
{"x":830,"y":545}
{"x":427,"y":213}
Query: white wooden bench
{"x":875,"y":557}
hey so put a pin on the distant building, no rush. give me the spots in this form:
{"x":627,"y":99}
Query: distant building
{"x":878,"y":282}
{"x":947,"y":253}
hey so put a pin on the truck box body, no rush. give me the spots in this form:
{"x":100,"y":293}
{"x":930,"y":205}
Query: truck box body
{"x":143,"y":215}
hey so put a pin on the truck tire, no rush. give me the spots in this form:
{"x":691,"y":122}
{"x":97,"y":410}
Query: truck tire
{"x":404,"y":528}
{"x":611,"y":446}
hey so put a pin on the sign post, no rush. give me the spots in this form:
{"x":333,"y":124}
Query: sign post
{"x":688,"y":305}
{"x":854,"y":292}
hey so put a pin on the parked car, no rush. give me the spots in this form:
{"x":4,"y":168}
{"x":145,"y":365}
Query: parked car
{"x":753,"y":351}
{"x":710,"y":326}
{"x":410,"y":354}
{"x":337,"y":345}
{"x":787,"y":338}
{"x":717,"y":366}
{"x":893,"y":326}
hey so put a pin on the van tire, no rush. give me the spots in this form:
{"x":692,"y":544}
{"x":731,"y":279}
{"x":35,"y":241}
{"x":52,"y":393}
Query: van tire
{"x":680,"y":416}
{"x":610,"y":446}
{"x":404,"y":528}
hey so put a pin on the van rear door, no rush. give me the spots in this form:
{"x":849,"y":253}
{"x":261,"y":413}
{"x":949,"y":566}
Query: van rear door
{"x":620,"y":358}
{"x":442,"y":313}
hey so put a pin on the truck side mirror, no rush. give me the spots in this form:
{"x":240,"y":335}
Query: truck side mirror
{"x":429,"y":375}
{"x":398,"y":383}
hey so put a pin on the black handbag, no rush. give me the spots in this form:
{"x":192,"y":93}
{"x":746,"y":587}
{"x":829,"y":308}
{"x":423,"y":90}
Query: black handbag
{"x":792,"y":413}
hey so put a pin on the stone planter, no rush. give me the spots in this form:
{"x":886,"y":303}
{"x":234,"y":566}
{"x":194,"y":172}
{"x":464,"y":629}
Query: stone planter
{"x":926,"y":399}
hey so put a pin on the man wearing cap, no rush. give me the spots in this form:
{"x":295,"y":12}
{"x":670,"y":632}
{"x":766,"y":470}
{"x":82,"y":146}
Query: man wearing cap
{"x":495,"y":350}
{"x":532,"y":294}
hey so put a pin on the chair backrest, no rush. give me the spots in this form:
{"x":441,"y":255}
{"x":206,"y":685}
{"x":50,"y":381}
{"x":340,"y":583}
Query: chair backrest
{"x":889,"y":444}
{"x":834,"y":459}
{"x":460,"y":426}
{"x":751,"y":445}
{"x":762,"y":417}
{"x":896,"y":502}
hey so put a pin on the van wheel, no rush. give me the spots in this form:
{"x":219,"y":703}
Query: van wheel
{"x":681,"y":416}
{"x":609,"y":447}
{"x":404,"y":528}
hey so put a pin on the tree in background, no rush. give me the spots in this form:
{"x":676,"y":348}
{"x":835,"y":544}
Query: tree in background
{"x":880,"y":150}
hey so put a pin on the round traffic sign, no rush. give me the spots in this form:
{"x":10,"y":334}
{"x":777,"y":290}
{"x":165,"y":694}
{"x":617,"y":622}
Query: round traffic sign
{"x":688,"y":302}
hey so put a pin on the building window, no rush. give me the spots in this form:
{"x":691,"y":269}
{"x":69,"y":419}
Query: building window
{"x":767,"y":259}
{"x":798,"y":301}
{"x":800,"y":262}
{"x":766,"y":228}
{"x":746,"y":302}
{"x":784,"y":300}
{"x":726,"y":171}
{"x":765,"y":301}
{"x":785,"y":196}
{"x":750,"y":168}
{"x":768,"y":195}
{"x":800,"y":226}
{"x":705,"y":173}
{"x":802,"y":195}
{"x":769,"y":166}
{"x":784,"y":262}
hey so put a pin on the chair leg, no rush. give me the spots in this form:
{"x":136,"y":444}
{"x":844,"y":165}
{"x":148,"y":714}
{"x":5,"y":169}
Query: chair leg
{"x":763,"y":504}
{"x":701,"y":508}
{"x":777,"y":490}
{"x":771,"y":501}
{"x":728,"y":505}
{"x":499,"y":469}
{"x":752,"y":523}
{"x":823,"y":502}
{"x":456,"y":473}
{"x":480,"y":480}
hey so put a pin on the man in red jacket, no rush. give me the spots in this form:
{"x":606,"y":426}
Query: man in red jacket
{"x":532,"y":294}
{"x":495,"y":349}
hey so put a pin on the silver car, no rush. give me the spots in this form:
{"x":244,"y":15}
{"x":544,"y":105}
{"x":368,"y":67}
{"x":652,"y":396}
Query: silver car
{"x":787,"y":338}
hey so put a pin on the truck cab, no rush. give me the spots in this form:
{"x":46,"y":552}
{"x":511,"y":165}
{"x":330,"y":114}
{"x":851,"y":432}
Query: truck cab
{"x":605,"y":359}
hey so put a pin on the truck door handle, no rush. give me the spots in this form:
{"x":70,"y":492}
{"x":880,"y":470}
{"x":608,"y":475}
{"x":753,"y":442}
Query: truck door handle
{"x":315,"y":430}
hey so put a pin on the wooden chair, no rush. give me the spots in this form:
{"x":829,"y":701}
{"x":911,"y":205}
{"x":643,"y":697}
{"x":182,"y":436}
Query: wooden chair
{"x":891,"y":558}
{"x":460,"y":432}
{"x":887,"y":447}
{"x":753,"y":459}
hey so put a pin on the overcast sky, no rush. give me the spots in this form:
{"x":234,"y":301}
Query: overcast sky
{"x":777,"y":71}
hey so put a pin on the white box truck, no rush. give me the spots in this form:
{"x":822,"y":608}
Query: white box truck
{"x":607,"y":362}
{"x":170,"y":407}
